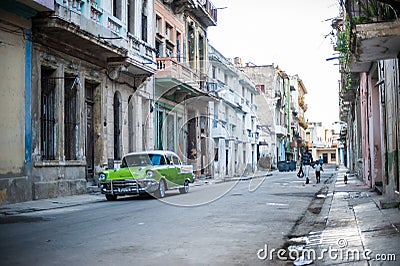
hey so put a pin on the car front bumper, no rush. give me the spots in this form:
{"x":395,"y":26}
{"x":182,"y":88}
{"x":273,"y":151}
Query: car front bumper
{"x":129,"y":187}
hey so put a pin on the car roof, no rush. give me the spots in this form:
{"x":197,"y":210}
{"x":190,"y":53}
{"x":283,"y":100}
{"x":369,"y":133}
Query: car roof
{"x":161,"y":152}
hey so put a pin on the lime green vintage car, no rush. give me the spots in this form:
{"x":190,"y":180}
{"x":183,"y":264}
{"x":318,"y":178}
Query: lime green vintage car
{"x":150,"y":172}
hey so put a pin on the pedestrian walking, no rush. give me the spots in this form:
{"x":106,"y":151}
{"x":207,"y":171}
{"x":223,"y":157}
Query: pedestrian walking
{"x":306,"y":159}
{"x":318,"y":169}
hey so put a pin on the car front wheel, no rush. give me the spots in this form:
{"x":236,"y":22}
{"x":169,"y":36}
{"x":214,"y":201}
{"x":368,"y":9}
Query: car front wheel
{"x":111,"y":197}
{"x":185,"y":188}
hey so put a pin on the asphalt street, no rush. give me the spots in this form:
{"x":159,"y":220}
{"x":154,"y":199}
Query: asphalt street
{"x":214,"y":224}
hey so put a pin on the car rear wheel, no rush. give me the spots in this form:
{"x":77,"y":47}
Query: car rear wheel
{"x":160,"y":193}
{"x":111,"y":197}
{"x":185,"y":188}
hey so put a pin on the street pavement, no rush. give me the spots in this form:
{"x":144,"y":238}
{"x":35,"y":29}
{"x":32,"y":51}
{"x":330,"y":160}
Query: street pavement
{"x":94,"y":195}
{"x":343,"y":225}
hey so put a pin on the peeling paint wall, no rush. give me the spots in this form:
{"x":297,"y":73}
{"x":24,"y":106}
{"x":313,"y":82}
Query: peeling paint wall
{"x":389,"y":71}
{"x":63,"y":176}
{"x":15,"y":184}
{"x":365,"y":128}
{"x":12,"y":68}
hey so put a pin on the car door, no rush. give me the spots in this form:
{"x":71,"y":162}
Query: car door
{"x":173,"y":171}
{"x":181,"y":175}
{"x":166,"y":170}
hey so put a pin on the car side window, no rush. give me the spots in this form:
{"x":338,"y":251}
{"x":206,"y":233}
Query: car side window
{"x":169,"y":159}
{"x":164,"y":160}
{"x":156,"y":159}
{"x":176,"y":160}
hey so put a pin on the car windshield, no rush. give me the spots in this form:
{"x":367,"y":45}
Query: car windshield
{"x":142,"y":160}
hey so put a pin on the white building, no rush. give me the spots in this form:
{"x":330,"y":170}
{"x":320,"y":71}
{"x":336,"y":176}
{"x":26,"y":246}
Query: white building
{"x":232,"y":118}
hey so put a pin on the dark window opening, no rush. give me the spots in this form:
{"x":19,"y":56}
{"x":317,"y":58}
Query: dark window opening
{"x":144,"y":27}
{"x":191,"y":46}
{"x":144,"y":21}
{"x":158,"y":49}
{"x":202,"y":51}
{"x":131,"y":16}
{"x":131,"y":123}
{"x":48,"y":114}
{"x":178,"y":47}
{"x":89,"y":103}
{"x":117,"y":125}
{"x":324,"y":158}
{"x":159,"y":136}
{"x":70,"y":117}
{"x":117,"y":8}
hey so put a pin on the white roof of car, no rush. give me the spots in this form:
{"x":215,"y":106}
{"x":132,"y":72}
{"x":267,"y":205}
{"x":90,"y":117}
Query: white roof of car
{"x":162,"y":152}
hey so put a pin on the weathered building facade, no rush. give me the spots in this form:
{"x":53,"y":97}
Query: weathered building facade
{"x":91,"y":91}
{"x":264,"y":78}
{"x":278,"y":113}
{"x":369,"y":44}
{"x":233,"y":118}
{"x":181,"y":113}
{"x":298,"y":108}
{"x":15,"y":102}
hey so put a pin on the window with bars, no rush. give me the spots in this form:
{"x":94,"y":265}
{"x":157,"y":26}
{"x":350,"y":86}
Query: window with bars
{"x":70,"y":117}
{"x":48,"y":114}
{"x":117,"y":125}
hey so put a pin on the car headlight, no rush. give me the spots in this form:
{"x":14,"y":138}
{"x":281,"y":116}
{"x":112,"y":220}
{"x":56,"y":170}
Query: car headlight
{"x":149,"y":174}
{"x":102,"y":177}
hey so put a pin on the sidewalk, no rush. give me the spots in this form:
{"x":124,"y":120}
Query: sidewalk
{"x":357,"y":231}
{"x":49,"y":204}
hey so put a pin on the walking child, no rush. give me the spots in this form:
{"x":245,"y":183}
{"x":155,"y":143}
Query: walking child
{"x":318,"y":169}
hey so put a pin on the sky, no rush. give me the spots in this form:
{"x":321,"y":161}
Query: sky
{"x":289,"y":34}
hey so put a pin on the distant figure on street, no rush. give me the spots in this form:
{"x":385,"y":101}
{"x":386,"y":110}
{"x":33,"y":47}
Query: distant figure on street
{"x":318,"y":169}
{"x":306,"y":159}
{"x":321,"y":161}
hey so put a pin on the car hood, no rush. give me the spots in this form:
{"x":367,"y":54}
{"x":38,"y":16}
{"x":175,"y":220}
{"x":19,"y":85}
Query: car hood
{"x":129,"y":172}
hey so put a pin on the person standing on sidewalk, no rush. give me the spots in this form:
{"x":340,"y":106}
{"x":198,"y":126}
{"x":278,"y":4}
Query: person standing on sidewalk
{"x":306,"y":159}
{"x":318,"y":169}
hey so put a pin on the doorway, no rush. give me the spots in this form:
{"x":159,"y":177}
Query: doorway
{"x":89,"y":106}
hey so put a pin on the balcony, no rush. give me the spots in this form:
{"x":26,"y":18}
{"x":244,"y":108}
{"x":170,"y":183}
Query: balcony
{"x":169,"y":68}
{"x":377,"y":41}
{"x":84,"y":29}
{"x":280,"y":131}
{"x":219,"y":131}
{"x":175,"y":80}
{"x":375,"y":30}
{"x":203,"y":10}
{"x":27,"y":8}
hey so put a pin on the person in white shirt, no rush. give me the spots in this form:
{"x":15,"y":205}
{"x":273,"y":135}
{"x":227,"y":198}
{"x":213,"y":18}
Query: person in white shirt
{"x":318,"y":169}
